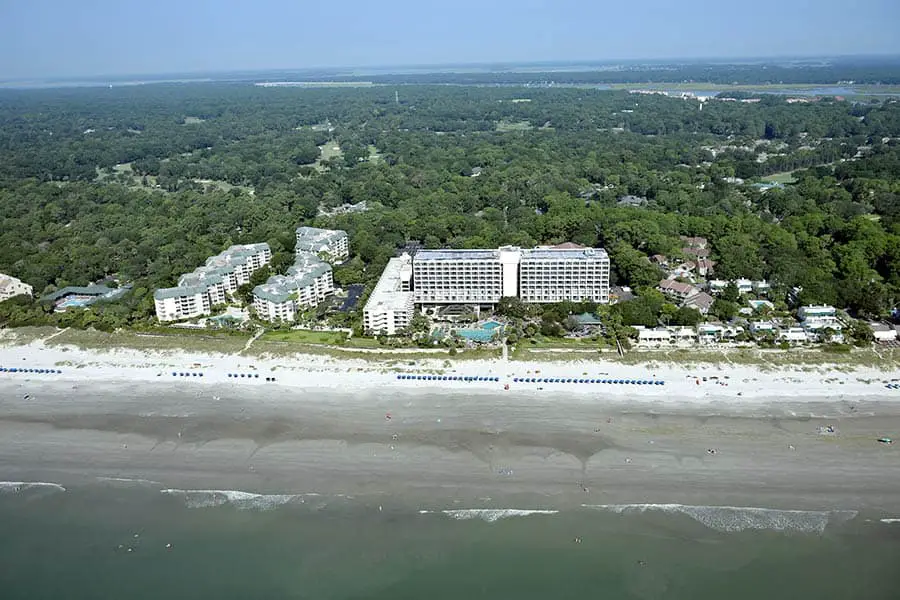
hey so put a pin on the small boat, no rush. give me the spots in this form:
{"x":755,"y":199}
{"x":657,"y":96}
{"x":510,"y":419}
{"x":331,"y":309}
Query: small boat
{"x":886,"y":440}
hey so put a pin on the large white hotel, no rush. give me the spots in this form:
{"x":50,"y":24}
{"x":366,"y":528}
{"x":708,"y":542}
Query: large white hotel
{"x":197,"y":292}
{"x":481,"y":277}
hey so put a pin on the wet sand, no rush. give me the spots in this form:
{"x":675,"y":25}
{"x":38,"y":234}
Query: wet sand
{"x":442,"y":449}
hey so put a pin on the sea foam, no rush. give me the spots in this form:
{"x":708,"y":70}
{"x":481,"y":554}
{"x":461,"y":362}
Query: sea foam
{"x":488,"y":514}
{"x":890,"y":521}
{"x":127,"y":481}
{"x":740,"y":518}
{"x":238,"y":499}
{"x":17,"y":487}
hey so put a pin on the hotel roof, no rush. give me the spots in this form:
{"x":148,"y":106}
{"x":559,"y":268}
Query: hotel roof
{"x":423,"y":255}
{"x":557,"y":253}
{"x":388,"y":294}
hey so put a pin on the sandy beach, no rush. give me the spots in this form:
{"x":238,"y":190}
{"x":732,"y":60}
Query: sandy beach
{"x":348,"y":428}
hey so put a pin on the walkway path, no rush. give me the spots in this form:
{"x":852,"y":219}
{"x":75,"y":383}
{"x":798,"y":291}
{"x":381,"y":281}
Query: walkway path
{"x":249,"y":343}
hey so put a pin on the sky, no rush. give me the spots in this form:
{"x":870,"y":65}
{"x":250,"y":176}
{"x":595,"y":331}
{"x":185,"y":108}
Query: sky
{"x":66,"y":38}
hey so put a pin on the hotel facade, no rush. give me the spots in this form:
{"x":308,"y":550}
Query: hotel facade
{"x":482,"y":277}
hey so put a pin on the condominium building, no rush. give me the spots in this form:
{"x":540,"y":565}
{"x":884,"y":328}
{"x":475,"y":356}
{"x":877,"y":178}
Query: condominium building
{"x":10,"y":286}
{"x":197,"y":292}
{"x":306,"y":284}
{"x":332,"y":244}
{"x":390,"y":306}
{"x":558,"y":274}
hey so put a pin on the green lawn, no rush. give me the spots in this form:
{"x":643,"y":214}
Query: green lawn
{"x":331,"y":149}
{"x":505,"y":126}
{"x":306,"y":336}
{"x":784,"y":178}
{"x":374,"y":155}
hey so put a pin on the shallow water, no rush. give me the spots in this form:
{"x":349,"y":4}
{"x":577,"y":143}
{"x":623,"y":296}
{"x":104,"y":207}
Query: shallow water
{"x":109,"y":540}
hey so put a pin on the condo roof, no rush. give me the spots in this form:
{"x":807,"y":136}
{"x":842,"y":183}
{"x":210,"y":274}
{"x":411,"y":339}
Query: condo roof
{"x":178,"y":292}
{"x":306,"y":269}
{"x":313,"y":239}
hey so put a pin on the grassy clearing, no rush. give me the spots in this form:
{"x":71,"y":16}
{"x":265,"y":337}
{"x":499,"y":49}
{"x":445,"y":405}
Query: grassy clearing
{"x":201,"y":341}
{"x":331,"y":149}
{"x":783,"y":178}
{"x":506,"y":126}
{"x":305,"y":336}
{"x":374,"y":155}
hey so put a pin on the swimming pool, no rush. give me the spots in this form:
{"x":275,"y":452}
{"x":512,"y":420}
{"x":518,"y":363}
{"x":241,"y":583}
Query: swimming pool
{"x":483,"y":333}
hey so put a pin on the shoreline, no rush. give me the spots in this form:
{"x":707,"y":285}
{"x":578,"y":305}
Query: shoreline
{"x":723,"y":435}
{"x":697,"y":383}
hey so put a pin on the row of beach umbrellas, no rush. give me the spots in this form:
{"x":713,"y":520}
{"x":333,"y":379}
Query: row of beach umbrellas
{"x":566,"y":380}
{"x":20,"y":370}
{"x":893,"y":386}
{"x":190,"y":374}
{"x":447,"y":378}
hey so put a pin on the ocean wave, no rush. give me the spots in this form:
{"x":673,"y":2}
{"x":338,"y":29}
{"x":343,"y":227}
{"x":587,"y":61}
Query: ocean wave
{"x":17,"y":487}
{"x":740,"y":518}
{"x":236,"y":498}
{"x":489,"y":514}
{"x":890,"y":521}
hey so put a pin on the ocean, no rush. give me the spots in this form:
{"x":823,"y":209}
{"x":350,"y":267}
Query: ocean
{"x":135,"y":540}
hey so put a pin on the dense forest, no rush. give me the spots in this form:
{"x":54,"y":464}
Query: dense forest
{"x":145,"y":182}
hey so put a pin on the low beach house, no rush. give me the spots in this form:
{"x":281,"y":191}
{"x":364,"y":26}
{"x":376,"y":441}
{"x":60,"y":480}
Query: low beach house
{"x":794,"y":335}
{"x":759,"y":327}
{"x":657,"y":335}
{"x":676,"y":289}
{"x":701,"y":302}
{"x":817,"y":318}
{"x":883,"y":332}
{"x":744,"y":286}
{"x":10,"y":286}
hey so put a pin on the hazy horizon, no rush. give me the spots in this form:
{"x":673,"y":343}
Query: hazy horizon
{"x":101,"y":38}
